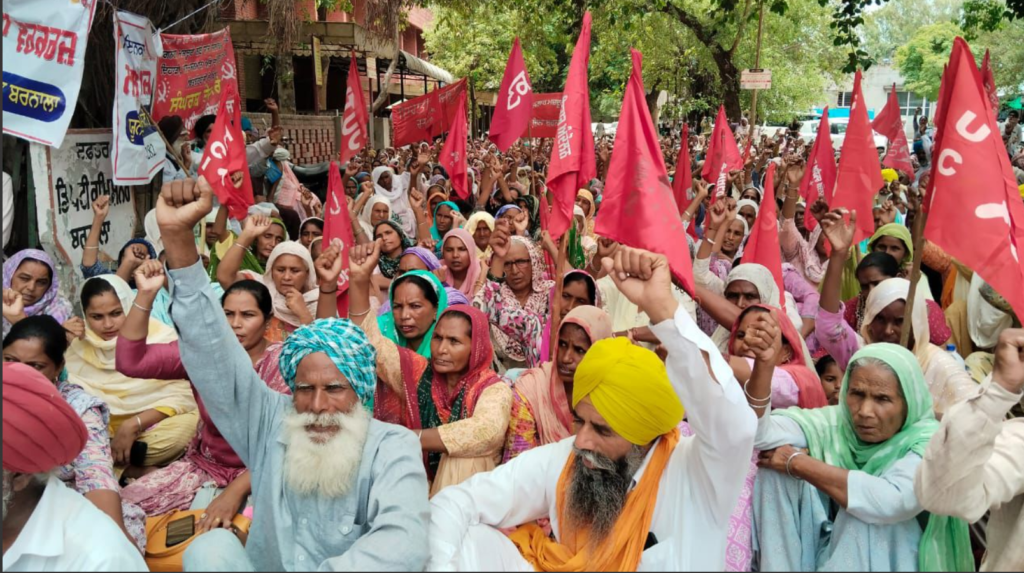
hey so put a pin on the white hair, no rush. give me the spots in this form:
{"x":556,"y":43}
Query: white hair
{"x":326,"y":468}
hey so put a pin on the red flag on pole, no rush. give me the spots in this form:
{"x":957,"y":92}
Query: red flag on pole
{"x":338,"y":225}
{"x":354,"y":133}
{"x":682,"y":184}
{"x":763,"y":245}
{"x":723,"y":155}
{"x":514,"y":108}
{"x":453,"y":154}
{"x":988,"y":79}
{"x":890,"y":124}
{"x":572,"y":164}
{"x":224,"y":164}
{"x":860,"y":175}
{"x":638,"y":209}
{"x":985,"y":226}
{"x":819,"y":179}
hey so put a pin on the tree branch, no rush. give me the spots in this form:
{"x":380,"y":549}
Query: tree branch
{"x":741,"y":26}
{"x":700,"y":30}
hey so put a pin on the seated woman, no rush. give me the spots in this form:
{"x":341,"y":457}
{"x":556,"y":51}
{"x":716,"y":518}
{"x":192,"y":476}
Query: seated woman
{"x":416,"y":300}
{"x":376,"y":211}
{"x":840,"y":491}
{"x":521,"y":264}
{"x":872,"y":270}
{"x":250,"y":251}
{"x":947,"y":380}
{"x":394,"y":243}
{"x":723,"y":240}
{"x":465,"y":270}
{"x":444,"y":219}
{"x":809,"y":255}
{"x":248,"y":308}
{"x":417,"y":259}
{"x":480,"y":225}
{"x":40,"y":342}
{"x":541,"y":413}
{"x":32,"y":288}
{"x":151,"y":422}
{"x":310,"y":229}
{"x":449,"y":395}
{"x":895,"y":240}
{"x":831,"y":376}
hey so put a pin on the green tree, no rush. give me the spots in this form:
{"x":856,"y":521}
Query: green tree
{"x":921,"y":60}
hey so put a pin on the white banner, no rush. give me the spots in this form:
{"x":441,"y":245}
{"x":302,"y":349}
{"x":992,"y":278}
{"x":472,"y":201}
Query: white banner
{"x":68,"y":179}
{"x":44,"y":56}
{"x":139,"y":150}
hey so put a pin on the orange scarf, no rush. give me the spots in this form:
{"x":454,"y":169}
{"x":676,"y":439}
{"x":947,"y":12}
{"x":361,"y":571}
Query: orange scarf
{"x":625,"y":545}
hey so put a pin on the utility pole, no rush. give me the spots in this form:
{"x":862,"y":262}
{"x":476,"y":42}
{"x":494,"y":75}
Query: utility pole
{"x":757,"y":65}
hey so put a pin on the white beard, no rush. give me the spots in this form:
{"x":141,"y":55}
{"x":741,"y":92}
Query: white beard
{"x":327,"y":469}
{"x":8,"y":491}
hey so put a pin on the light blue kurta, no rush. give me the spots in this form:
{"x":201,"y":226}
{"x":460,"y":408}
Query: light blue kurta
{"x":793,"y":525}
{"x":381,"y":525}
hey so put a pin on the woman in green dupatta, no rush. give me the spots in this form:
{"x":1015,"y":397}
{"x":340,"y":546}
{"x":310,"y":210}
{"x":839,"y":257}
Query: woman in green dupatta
{"x":836,"y":488}
{"x":258,"y":239}
{"x":417,"y":300}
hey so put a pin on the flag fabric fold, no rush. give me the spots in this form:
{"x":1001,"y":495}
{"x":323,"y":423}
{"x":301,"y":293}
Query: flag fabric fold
{"x":573,"y":164}
{"x":984,"y":227}
{"x":723,"y":155}
{"x":988,"y":79}
{"x":453,"y":154}
{"x":514,"y":108}
{"x":819,"y":179}
{"x":338,"y":225}
{"x":890,"y":124}
{"x":860,"y":176}
{"x":763,"y":245}
{"x":639,"y":209}
{"x":354,"y":132}
{"x":224,"y":164}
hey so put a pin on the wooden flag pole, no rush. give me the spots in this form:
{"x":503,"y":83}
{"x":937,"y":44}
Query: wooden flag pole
{"x":915,"y":276}
{"x":556,"y":307}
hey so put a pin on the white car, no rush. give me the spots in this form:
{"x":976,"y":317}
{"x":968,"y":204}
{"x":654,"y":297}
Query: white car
{"x":837,"y":127}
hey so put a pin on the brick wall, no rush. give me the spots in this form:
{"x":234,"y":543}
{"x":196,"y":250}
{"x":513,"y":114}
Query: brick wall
{"x":312,"y":136}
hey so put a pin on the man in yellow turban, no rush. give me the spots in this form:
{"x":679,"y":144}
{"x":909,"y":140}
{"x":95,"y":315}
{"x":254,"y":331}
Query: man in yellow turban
{"x":626,"y":492}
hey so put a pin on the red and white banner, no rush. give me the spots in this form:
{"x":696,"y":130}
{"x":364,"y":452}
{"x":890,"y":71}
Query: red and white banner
{"x":44,"y":57}
{"x":192,"y":73}
{"x":224,"y":163}
{"x":544,"y":120}
{"x":338,"y":225}
{"x":512,"y":113}
{"x":354,"y":133}
{"x":427,"y":116}
{"x":723,"y":155}
{"x":138,"y":148}
{"x":983,"y":227}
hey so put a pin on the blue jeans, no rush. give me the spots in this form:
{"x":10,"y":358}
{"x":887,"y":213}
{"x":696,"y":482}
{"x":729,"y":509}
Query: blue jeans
{"x":217,"y":551}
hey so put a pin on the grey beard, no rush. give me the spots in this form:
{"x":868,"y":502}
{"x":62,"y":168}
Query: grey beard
{"x":8,"y":491}
{"x":596,"y":496}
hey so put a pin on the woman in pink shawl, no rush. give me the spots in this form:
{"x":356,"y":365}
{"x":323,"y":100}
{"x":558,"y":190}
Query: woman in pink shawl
{"x":541,"y":413}
{"x":462,"y":261}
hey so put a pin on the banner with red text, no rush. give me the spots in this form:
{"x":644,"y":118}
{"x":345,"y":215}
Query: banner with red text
{"x":427,"y":116}
{"x":44,"y":57}
{"x":192,"y":74}
{"x":138,"y":148}
{"x":546,"y":110}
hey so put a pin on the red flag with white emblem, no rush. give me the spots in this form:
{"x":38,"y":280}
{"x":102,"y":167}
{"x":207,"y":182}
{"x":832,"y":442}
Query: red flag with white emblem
{"x":860,"y":174}
{"x":890,"y":124}
{"x":354,"y":120}
{"x":723,"y":155}
{"x":638,"y":209}
{"x":224,"y":164}
{"x":820,"y":175}
{"x":514,"y":107}
{"x":453,"y":154}
{"x":338,"y":225}
{"x":984,"y":227}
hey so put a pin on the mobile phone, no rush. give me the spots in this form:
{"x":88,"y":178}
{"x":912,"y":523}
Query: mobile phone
{"x":180,"y":530}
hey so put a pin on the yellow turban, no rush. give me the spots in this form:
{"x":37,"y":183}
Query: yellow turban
{"x":890,"y":175}
{"x":629,"y":387}
{"x":1021,"y":189}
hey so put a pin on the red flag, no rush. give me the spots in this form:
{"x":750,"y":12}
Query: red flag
{"x":453,"y":154}
{"x":763,"y":245}
{"x":820,"y":175}
{"x":544,"y":117}
{"x":723,"y":155}
{"x":224,"y":164}
{"x":572,"y":164}
{"x":682,"y":183}
{"x":890,"y":124}
{"x":338,"y":225}
{"x":638,"y":209}
{"x":354,"y":133}
{"x":427,"y":116}
{"x":860,"y":175}
{"x":514,"y":108}
{"x":988,"y":79}
{"x":985,"y":226}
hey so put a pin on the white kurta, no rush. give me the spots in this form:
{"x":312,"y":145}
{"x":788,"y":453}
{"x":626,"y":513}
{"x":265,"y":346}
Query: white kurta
{"x":697,"y":493}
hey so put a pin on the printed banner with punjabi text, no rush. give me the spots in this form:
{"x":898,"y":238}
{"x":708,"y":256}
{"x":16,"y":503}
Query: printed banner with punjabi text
{"x":191,"y":75}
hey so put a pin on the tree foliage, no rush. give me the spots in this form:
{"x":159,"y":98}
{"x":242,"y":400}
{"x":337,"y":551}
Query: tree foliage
{"x":922,"y":59}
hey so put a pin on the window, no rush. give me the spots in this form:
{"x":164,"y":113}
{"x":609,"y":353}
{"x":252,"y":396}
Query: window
{"x":845,"y":99}
{"x":910,"y":102}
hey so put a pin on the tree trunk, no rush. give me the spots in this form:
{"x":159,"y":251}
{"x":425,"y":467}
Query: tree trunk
{"x":729,"y":75}
{"x":285,"y":81}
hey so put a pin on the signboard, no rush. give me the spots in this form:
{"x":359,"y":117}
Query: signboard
{"x":44,"y":57}
{"x":318,"y":71}
{"x":191,"y":73}
{"x":68,"y":179}
{"x":546,"y":109}
{"x":139,"y":150}
{"x":755,"y":79}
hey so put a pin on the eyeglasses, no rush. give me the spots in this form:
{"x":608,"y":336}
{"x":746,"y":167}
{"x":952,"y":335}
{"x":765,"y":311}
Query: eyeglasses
{"x":520,"y":264}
